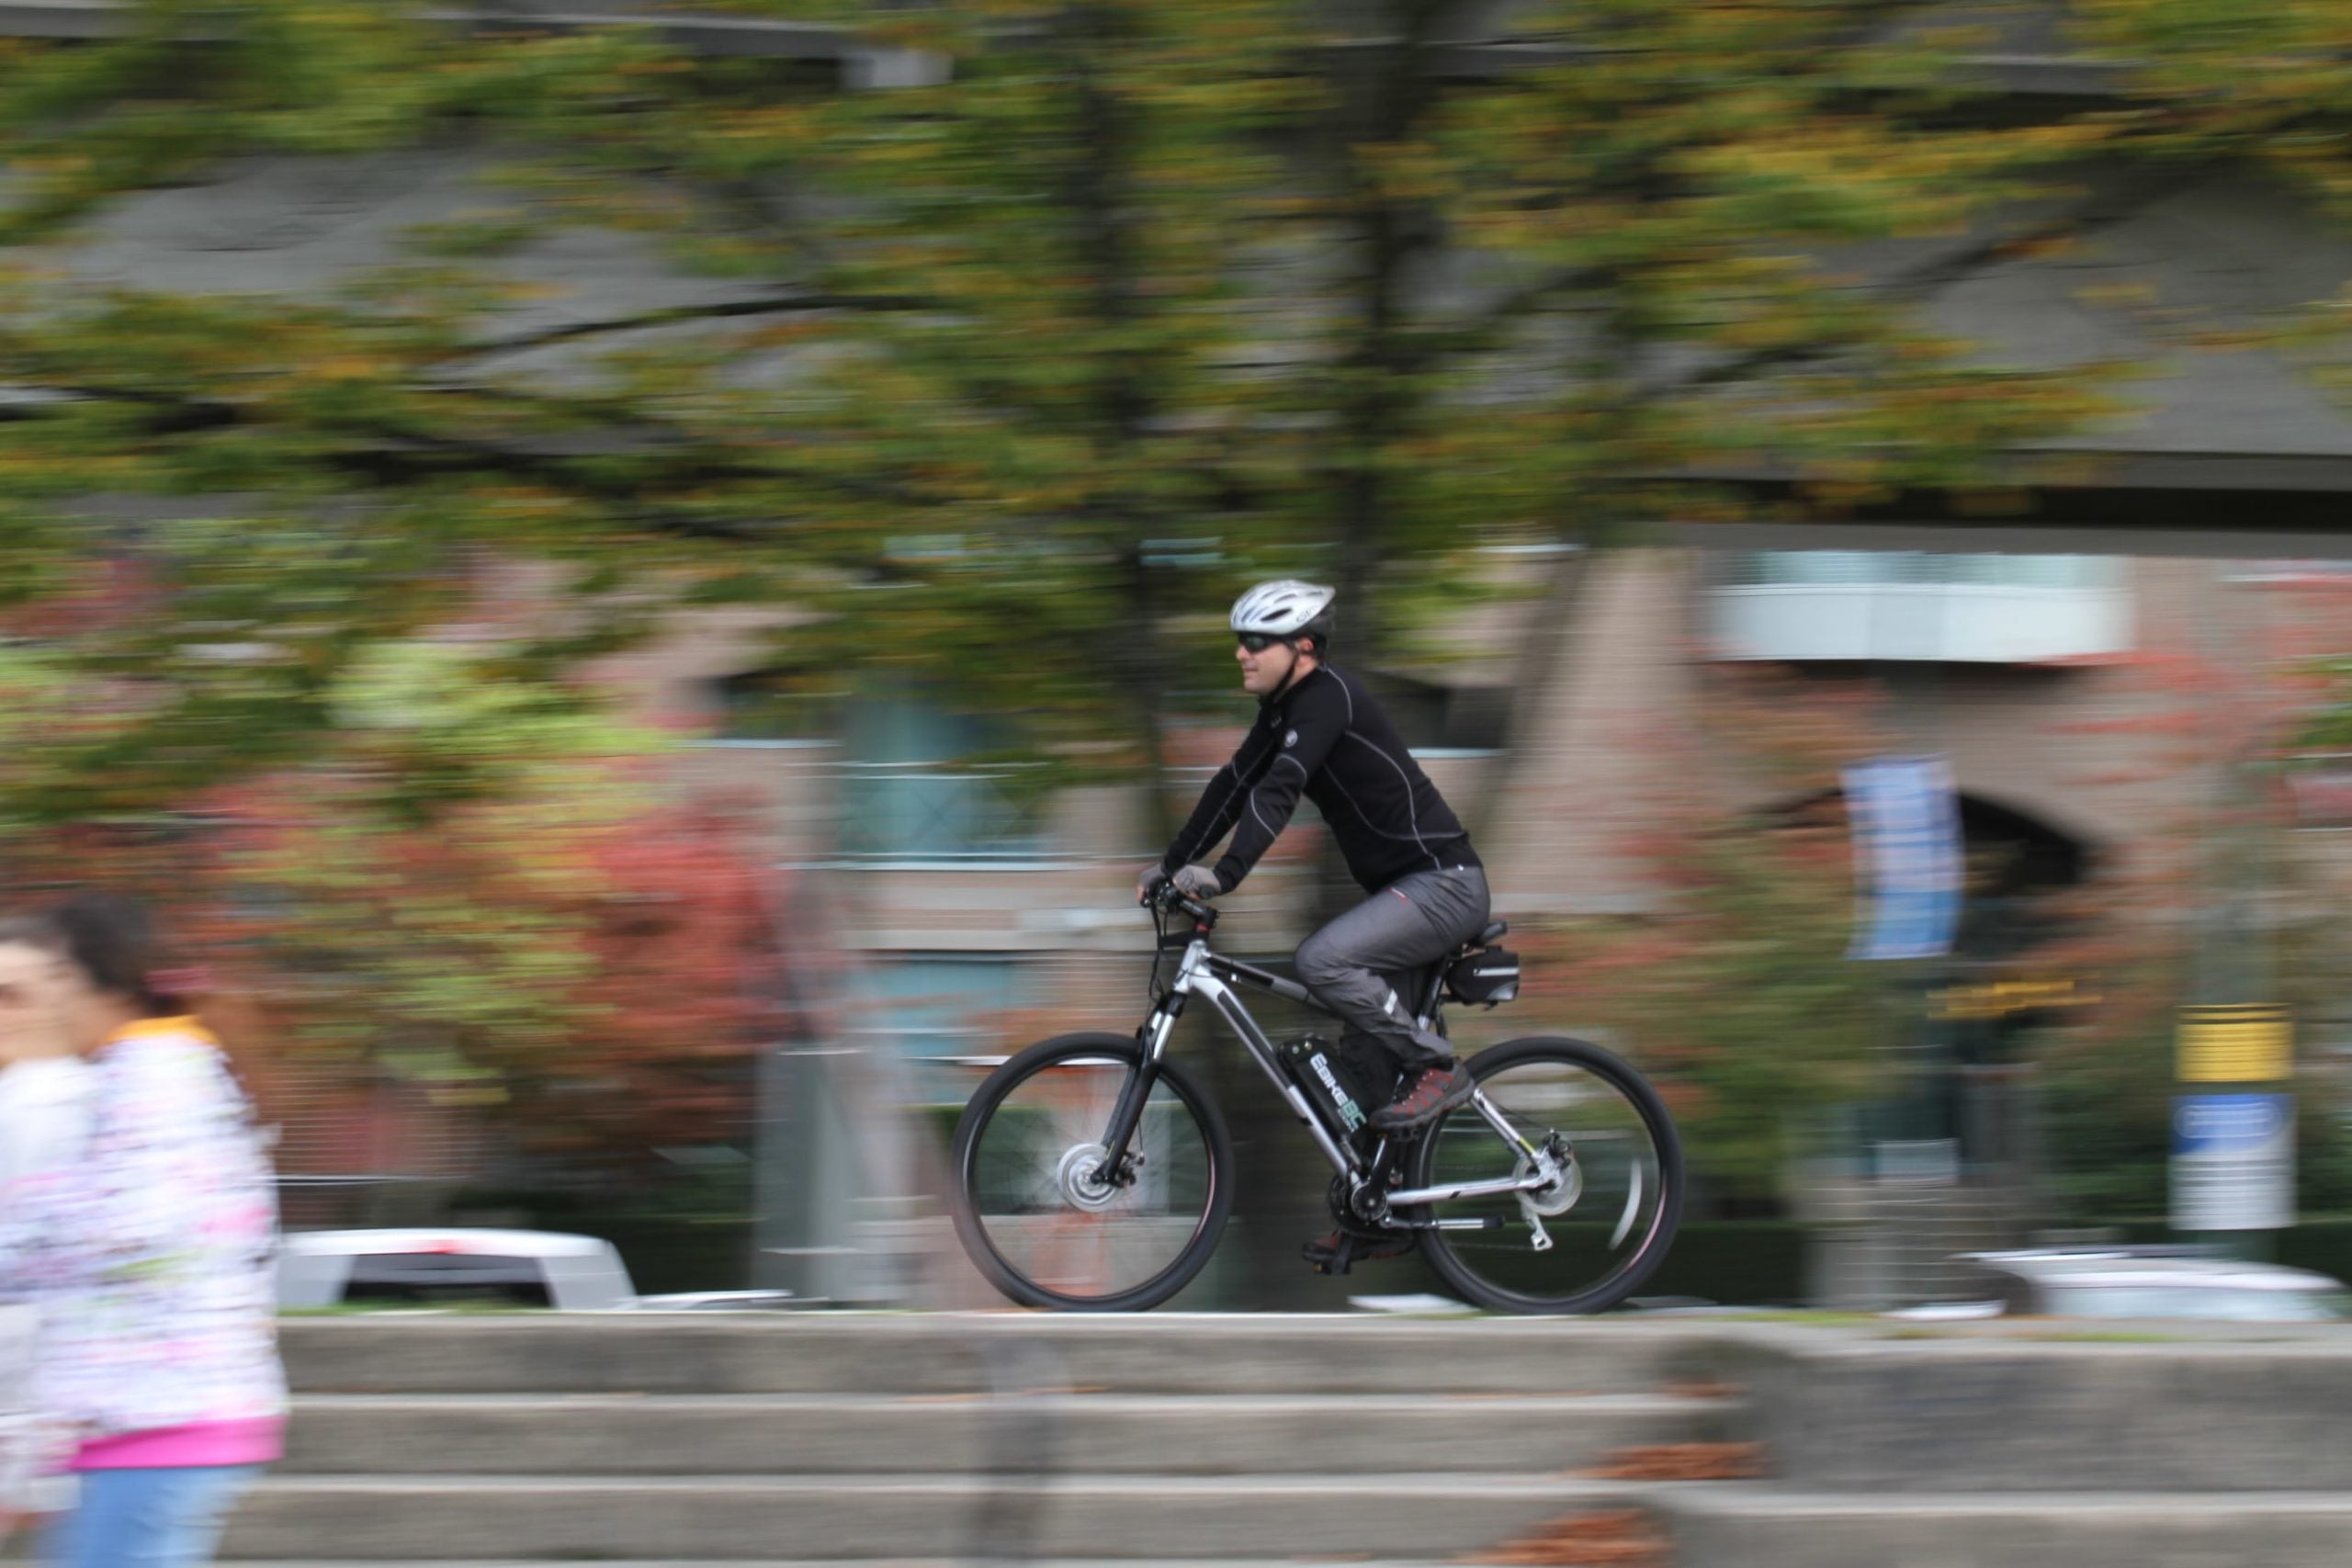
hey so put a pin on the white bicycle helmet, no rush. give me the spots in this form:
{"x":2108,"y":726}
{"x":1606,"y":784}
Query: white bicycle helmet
{"x":1286,"y":608}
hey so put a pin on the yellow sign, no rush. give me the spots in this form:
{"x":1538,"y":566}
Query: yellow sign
{"x":2006,"y":998}
{"x":2254,"y":1043}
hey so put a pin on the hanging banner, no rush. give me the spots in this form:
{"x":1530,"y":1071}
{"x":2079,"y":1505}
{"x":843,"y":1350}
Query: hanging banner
{"x":2233,"y":1162}
{"x":1907,"y":864}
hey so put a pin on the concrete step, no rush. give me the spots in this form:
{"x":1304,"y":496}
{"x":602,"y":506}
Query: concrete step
{"x":799,"y":1518}
{"x":2076,"y":1416}
{"x":1750,"y":1527}
{"x":950,"y":1353}
{"x":935,"y":1434}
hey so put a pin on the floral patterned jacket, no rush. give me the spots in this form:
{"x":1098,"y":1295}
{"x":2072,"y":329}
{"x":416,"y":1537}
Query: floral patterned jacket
{"x":151,"y":1256}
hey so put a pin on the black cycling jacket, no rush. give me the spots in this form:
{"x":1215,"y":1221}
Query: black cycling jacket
{"x":1327,"y":737}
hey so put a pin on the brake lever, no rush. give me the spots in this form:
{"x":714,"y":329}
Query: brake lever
{"x":1167,"y":898}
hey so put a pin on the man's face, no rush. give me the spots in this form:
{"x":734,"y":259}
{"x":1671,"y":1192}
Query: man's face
{"x":1266,"y":668}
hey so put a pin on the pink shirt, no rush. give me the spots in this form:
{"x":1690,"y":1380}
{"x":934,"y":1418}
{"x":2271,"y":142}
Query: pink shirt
{"x":256,"y":1441}
{"x":150,"y":1260}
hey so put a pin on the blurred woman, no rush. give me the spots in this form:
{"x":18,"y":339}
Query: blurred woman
{"x":44,"y":1084}
{"x":148,"y":1256}
{"x":44,"y":1116}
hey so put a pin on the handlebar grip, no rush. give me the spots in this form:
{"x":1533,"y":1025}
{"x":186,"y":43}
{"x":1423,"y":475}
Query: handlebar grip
{"x":1168,"y":896}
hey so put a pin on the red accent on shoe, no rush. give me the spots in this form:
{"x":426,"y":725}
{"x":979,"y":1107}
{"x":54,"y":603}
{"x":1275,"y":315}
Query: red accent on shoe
{"x":1428,"y":1094}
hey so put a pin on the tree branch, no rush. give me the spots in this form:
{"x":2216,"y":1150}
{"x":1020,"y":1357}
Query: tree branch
{"x":724,"y":309}
{"x":1916,"y":285}
{"x":411,"y":451}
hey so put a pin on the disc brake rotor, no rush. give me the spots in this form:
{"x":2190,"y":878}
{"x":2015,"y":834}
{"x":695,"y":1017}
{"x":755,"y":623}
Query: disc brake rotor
{"x":1561,"y":1195}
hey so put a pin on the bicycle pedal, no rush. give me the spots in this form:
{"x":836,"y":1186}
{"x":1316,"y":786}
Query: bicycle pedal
{"x":1332,"y":1265}
{"x":1353,"y":1249}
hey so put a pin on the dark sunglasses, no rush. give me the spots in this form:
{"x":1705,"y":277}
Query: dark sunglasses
{"x":1258,"y":642}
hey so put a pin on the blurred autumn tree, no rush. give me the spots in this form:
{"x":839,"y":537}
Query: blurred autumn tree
{"x":1732,"y":989}
{"x":1010,"y":378}
{"x":2221,"y":902}
{"x":562,"y":952}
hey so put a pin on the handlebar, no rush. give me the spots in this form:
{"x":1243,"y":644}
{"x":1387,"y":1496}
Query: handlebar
{"x":1164,"y":897}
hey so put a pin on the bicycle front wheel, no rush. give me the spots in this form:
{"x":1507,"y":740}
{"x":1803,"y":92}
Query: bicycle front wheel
{"x":1036,"y":1209}
{"x":1586,"y":1243}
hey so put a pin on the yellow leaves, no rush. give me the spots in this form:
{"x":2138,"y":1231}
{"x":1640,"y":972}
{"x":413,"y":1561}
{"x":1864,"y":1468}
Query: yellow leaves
{"x":2119,"y":294}
{"x":2048,"y":247}
{"x":54,"y":166}
{"x":782,"y":125}
{"x":344,"y":367}
{"x":1406,"y":172}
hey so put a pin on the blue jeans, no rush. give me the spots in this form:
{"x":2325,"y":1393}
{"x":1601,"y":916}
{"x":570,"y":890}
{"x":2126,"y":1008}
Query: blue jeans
{"x":162,"y":1517}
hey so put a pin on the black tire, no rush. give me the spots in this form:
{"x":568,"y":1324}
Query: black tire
{"x":1002,"y":1236}
{"x":1628,"y":1153}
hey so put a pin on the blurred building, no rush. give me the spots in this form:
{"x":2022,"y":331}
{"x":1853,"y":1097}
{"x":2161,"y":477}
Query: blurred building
{"x":949,"y":906}
{"x":2085,"y":701}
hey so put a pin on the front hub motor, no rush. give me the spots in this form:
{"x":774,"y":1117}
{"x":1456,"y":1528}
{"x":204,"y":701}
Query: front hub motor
{"x":1084,"y":1177}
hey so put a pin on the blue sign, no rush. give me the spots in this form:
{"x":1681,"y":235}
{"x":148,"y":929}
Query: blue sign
{"x":2236,"y":1124}
{"x":1907,"y":860}
{"x":2233,"y":1162}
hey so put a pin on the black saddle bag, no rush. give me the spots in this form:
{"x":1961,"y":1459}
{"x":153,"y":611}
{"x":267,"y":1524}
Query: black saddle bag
{"x":1485,"y":978}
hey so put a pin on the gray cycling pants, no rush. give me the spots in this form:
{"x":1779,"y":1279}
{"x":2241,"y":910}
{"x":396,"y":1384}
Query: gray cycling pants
{"x":1353,"y":964}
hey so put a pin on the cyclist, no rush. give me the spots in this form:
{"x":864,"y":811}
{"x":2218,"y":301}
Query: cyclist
{"x":1320,"y":734}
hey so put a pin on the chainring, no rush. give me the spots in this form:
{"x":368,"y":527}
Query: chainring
{"x":1341,"y":1199}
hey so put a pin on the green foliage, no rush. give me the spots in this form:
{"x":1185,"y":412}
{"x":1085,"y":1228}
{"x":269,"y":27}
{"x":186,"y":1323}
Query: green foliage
{"x":2106,"y":1124}
{"x":1739,"y":1000}
{"x":1010,"y":380}
{"x":1733,"y":991}
{"x":1030,"y":368}
{"x":2330,"y":725}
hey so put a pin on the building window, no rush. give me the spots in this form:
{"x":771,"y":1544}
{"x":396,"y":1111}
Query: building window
{"x":938,"y":1014}
{"x":1745,"y":569}
{"x":1901,"y":605}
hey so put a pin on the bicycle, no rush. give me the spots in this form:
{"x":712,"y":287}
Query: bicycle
{"x":1092,"y":1173}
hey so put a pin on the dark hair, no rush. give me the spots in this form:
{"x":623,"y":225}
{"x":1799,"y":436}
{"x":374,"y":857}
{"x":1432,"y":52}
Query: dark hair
{"x":112,"y":941}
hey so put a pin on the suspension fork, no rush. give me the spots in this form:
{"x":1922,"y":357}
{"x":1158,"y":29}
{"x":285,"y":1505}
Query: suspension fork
{"x":1128,"y":1114}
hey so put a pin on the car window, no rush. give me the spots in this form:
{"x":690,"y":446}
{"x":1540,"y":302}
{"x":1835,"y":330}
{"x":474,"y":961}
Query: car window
{"x":426,"y":1276}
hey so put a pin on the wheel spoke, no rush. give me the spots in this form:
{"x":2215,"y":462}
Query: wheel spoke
{"x":1633,"y":1207}
{"x":1610,"y":1214}
{"x":1032,"y":1208}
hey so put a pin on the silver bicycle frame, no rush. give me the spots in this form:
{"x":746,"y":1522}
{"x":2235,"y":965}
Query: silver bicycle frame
{"x":1542,"y":1175}
{"x":1197,"y":977}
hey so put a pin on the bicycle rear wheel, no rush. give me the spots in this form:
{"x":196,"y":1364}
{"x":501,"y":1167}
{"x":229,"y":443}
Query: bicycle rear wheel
{"x":1609,"y":1224}
{"x":1034,"y":1208}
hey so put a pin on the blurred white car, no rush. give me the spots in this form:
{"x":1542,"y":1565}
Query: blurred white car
{"x":443,"y":1264}
{"x":2159,"y":1281}
{"x":429,"y":1267}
